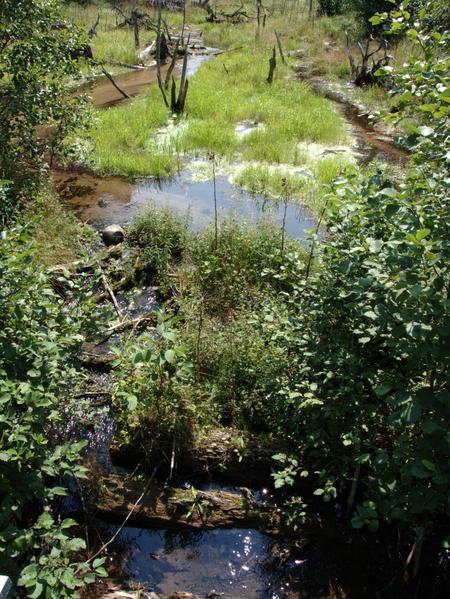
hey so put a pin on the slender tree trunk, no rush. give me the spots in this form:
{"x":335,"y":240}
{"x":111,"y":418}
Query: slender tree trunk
{"x":137,"y":41}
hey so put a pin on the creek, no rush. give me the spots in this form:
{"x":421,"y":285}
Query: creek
{"x":236,"y":562}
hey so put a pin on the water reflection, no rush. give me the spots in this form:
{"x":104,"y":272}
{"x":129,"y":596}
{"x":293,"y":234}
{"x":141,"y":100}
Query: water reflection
{"x":232,"y":563}
{"x":186,"y":195}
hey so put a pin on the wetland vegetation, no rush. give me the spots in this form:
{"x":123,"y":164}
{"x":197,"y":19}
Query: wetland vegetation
{"x":240,"y":386}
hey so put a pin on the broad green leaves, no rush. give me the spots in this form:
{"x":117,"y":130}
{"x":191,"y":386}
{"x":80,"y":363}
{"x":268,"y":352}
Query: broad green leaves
{"x":39,"y":335}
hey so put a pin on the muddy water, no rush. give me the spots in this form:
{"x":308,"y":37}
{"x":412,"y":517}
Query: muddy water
{"x":104,"y":201}
{"x":372,"y":144}
{"x":186,"y":196}
{"x":104,"y":94}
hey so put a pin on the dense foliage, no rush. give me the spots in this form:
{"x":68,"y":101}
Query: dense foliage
{"x":38,"y":56}
{"x":371,"y":402}
{"x":39,"y":334}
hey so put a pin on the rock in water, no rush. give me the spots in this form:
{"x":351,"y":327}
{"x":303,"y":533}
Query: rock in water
{"x":113,"y":235}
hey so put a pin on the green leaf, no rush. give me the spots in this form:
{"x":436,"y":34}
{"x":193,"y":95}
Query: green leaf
{"x":132,"y":401}
{"x":422,"y":233}
{"x":382,"y":389}
{"x":426,"y":131}
{"x":101,"y":572}
{"x":98,"y":562}
{"x":429,"y":465}
{"x":61,"y":491}
{"x":357,"y":522}
{"x":37,"y":592}
{"x":170,"y":356}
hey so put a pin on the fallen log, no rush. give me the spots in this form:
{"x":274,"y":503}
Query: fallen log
{"x":177,"y":508}
{"x":93,"y":357}
{"x":119,"y":89}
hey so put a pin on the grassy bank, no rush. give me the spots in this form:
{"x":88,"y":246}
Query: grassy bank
{"x":58,"y":236}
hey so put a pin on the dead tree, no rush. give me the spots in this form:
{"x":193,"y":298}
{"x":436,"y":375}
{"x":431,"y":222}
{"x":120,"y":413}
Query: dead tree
{"x":93,"y":30}
{"x":177,"y":101}
{"x":272,"y":65}
{"x":239,"y":15}
{"x":136,"y":19}
{"x":280,"y":48}
{"x":364,"y":73}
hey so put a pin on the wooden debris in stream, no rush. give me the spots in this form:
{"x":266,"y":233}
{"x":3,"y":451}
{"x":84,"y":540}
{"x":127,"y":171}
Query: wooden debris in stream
{"x":177,"y":508}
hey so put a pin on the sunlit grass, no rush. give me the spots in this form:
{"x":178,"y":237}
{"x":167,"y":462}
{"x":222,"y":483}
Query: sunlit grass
{"x":121,"y":139}
{"x":222,"y":95}
{"x":58,"y":236}
{"x":307,"y":185}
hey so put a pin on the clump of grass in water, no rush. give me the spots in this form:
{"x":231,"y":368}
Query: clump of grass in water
{"x":260,"y":179}
{"x":308,"y":188}
{"x":121,"y":139}
{"x":162,"y":239}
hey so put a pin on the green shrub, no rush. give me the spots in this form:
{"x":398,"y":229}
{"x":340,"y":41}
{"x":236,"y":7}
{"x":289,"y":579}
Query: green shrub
{"x":39,"y":335}
{"x":161,"y":238}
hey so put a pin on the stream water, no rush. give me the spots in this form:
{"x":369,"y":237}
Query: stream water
{"x":234,"y":563}
{"x":107,"y":201}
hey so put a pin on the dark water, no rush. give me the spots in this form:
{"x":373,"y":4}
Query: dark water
{"x":233,"y":563}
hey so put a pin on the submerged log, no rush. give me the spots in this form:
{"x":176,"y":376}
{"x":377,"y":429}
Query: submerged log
{"x":115,"y":591}
{"x":177,"y":508}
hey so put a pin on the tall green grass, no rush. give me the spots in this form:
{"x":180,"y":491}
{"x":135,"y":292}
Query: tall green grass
{"x":122,"y":136}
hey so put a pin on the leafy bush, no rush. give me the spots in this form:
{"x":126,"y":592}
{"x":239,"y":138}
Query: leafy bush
{"x":161,"y":238}
{"x":371,"y":398}
{"x":36,"y":62}
{"x":228,"y":273}
{"x":39,"y":334}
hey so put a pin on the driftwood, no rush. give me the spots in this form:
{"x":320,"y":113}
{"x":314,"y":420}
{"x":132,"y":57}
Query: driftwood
{"x":272,"y":65}
{"x":239,"y":15}
{"x":177,"y":508}
{"x":93,"y":30}
{"x":111,"y":295}
{"x":226,"y":453}
{"x":119,"y":89}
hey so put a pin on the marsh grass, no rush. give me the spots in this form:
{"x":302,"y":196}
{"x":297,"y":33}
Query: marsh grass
{"x":121,"y":139}
{"x":218,"y":100}
{"x":307,"y":187}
